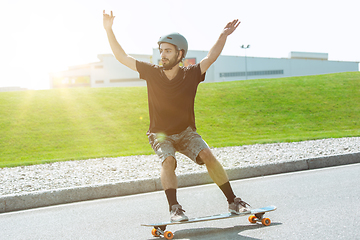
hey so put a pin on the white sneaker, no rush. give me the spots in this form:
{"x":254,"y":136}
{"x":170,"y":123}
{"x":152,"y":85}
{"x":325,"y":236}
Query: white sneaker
{"x":177,"y":214}
{"x":239,"y":207}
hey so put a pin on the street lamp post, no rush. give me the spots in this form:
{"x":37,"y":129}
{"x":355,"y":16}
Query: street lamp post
{"x":245,"y":47}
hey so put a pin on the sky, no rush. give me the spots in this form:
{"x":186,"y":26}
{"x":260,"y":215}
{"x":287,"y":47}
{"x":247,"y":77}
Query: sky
{"x":43,"y":36}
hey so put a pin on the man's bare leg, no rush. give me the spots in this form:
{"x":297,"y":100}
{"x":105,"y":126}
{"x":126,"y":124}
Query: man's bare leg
{"x":170,"y":184}
{"x":168,"y":177}
{"x":214,"y":167}
{"x":219,"y":176}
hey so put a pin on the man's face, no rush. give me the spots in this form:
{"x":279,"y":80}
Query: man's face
{"x":168,"y":54}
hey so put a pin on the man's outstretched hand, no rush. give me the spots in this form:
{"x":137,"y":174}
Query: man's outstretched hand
{"x":231,"y":26}
{"x":108,"y":20}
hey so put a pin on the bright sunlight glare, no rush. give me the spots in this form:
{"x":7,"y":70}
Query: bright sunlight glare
{"x":41,"y":36}
{"x":42,"y":41}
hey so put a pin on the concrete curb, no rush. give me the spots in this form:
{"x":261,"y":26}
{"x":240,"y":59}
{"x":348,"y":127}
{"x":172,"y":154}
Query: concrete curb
{"x":19,"y":202}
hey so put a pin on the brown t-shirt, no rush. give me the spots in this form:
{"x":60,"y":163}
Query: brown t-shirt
{"x":171,"y":102}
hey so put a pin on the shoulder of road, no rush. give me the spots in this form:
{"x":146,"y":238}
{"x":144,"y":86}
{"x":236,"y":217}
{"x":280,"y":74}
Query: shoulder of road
{"x":17,"y":202}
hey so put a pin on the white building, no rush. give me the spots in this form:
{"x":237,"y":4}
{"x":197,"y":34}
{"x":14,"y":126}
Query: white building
{"x":107,"y":73}
{"x":11,"y":89}
{"x":110,"y":73}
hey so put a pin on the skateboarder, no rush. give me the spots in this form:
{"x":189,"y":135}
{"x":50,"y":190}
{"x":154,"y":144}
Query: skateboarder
{"x":171,"y":95}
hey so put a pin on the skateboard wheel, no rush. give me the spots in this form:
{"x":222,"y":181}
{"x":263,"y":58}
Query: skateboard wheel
{"x":252,"y":219}
{"x":168,"y":235}
{"x":155,"y":232}
{"x":266,"y":221}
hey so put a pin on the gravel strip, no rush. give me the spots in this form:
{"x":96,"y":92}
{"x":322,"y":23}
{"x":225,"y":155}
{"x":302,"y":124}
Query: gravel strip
{"x":111,"y":170}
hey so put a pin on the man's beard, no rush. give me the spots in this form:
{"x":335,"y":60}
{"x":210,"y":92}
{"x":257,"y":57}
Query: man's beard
{"x":171,"y":63}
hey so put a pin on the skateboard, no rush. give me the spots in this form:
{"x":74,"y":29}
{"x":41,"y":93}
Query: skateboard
{"x":256,"y":215}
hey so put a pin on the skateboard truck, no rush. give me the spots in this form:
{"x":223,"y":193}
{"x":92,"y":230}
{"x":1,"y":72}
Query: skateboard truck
{"x":259,"y":218}
{"x":160,"y":230}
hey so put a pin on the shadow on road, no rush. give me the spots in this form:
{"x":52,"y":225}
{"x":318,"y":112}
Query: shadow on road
{"x":219,"y":233}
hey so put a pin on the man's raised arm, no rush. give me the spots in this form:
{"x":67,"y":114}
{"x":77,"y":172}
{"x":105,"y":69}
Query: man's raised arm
{"x":118,"y":51}
{"x":215,"y":51}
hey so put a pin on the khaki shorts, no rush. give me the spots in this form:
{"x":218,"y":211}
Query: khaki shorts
{"x":188,"y":142}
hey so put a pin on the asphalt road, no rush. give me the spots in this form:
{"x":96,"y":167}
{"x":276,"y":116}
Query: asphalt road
{"x":314,"y":204}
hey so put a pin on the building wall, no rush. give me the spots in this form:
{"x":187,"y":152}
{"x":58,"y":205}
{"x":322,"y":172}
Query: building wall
{"x":232,"y":68}
{"x":108,"y":72}
{"x":12,"y":89}
{"x":111,"y":73}
{"x":302,"y":67}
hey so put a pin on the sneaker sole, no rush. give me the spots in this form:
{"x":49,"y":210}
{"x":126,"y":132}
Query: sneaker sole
{"x":180,"y":220}
{"x":239,"y":213}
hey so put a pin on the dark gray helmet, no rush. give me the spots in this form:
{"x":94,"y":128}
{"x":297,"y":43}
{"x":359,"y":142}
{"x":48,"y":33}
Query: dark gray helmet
{"x":175,"y":39}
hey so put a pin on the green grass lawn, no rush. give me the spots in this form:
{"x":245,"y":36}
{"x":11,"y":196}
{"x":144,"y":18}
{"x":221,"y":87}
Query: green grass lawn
{"x":65,"y":124}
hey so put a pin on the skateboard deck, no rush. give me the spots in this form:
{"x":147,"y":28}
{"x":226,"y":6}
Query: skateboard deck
{"x":256,"y":215}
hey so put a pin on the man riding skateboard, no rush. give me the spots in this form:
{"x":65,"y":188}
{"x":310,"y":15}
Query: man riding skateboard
{"x":171,"y":96}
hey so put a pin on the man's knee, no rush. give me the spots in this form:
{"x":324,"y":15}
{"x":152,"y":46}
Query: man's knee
{"x":169,"y":164}
{"x":206,"y":156}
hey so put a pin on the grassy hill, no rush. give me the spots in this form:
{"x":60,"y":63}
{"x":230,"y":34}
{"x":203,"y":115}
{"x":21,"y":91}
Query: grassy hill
{"x":64,"y":124}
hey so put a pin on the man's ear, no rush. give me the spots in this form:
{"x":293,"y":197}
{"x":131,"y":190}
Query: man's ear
{"x":180,"y":55}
